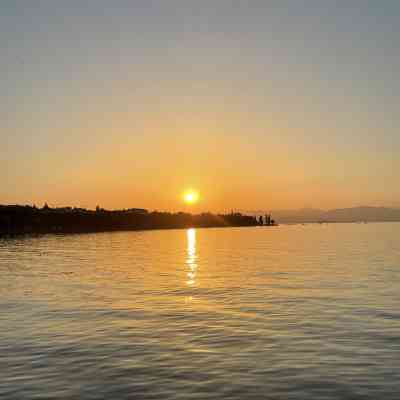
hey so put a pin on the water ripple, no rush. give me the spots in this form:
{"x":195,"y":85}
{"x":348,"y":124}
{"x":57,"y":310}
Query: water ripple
{"x":293,"y":312}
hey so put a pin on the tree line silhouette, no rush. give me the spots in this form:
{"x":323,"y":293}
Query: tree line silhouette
{"x":17,"y":219}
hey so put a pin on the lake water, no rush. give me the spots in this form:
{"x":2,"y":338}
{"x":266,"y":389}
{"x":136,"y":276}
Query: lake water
{"x":289,"y":312}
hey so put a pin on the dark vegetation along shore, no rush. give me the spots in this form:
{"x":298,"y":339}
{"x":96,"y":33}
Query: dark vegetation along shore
{"x":16,"y":219}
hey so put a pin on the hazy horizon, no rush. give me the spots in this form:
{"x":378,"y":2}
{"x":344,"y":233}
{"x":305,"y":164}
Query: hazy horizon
{"x":256,"y":105}
{"x":196,"y":209}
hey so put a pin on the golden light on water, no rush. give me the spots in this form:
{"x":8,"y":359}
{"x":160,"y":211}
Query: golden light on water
{"x":191,"y":196}
{"x":191,"y":256}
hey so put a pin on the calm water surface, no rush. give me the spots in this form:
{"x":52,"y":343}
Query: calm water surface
{"x":292,"y":312}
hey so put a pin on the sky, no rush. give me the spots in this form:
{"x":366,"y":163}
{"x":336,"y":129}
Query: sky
{"x":255,"y":104}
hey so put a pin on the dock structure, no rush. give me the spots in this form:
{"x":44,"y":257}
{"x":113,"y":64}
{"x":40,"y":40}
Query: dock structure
{"x":267,"y":221}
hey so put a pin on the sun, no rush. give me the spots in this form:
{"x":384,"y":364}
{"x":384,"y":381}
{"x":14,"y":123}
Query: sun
{"x":190,"y":196}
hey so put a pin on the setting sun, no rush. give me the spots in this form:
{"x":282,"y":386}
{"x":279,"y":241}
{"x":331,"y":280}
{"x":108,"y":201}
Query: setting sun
{"x":190,"y":197}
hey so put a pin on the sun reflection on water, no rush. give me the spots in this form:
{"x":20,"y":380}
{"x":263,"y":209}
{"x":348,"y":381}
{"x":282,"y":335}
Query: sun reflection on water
{"x":191,"y":256}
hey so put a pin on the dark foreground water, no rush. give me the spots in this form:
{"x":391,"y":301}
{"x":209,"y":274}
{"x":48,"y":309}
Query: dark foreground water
{"x":292,"y":312}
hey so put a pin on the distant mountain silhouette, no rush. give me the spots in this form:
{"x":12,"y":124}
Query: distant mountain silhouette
{"x":354,"y":214}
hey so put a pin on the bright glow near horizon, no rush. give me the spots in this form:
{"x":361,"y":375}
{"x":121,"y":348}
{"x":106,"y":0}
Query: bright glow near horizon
{"x":191,"y":196}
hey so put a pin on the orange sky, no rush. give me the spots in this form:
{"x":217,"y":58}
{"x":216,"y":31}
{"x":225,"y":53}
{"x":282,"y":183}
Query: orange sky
{"x":256,"y":107}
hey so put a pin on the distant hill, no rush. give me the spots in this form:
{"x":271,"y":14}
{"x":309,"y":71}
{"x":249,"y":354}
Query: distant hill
{"x":355,"y":214}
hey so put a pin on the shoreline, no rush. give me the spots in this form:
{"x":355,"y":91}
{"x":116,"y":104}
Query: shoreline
{"x":19,"y":220}
{"x":62,"y":233}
